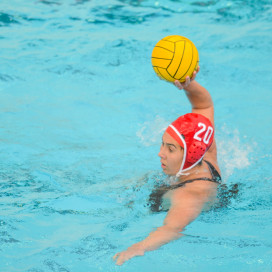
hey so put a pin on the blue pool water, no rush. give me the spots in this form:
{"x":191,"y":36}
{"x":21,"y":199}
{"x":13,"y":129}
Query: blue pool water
{"x":81,"y":118}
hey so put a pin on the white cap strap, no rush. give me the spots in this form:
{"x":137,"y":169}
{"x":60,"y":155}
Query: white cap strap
{"x":184,"y":148}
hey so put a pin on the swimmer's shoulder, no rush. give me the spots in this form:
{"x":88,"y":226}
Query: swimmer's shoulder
{"x":194,"y":194}
{"x":211,"y":157}
{"x":197,"y":189}
{"x":201,"y":185}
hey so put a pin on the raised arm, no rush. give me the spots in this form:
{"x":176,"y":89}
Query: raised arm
{"x":202,"y":103}
{"x":198,"y":96}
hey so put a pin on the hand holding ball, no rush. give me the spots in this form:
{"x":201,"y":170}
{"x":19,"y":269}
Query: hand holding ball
{"x":174,"y":58}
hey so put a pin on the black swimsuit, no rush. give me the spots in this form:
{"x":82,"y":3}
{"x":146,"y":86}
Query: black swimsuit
{"x":155,"y":198}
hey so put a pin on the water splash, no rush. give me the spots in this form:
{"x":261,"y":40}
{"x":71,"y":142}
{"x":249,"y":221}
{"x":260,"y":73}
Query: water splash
{"x":151,"y":131}
{"x":232,"y":152}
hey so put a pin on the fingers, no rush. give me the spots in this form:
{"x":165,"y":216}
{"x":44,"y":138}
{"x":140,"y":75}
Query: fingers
{"x":120,"y":258}
{"x":178,"y":84}
{"x":124,"y":256}
{"x":188,"y":80}
{"x":116,"y":255}
{"x":183,"y":85}
{"x":194,"y":75}
{"x":117,"y":258}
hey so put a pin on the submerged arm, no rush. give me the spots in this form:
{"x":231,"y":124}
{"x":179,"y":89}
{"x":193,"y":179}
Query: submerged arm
{"x":186,"y":206}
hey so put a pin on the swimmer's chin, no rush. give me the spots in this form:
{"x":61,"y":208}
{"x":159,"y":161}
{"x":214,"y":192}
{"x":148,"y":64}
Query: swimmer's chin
{"x":167,"y":173}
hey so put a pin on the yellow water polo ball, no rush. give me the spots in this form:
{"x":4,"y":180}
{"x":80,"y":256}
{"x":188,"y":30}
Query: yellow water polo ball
{"x":174,"y":57}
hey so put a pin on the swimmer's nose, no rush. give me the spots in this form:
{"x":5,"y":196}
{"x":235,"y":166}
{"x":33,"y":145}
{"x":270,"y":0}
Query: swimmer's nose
{"x":161,"y":155}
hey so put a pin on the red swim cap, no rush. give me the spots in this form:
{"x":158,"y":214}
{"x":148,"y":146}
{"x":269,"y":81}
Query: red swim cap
{"x":194,"y":132}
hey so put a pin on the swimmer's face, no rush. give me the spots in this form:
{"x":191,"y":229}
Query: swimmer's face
{"x":171,"y":154}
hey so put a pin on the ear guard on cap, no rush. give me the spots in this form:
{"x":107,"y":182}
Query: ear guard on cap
{"x":196,"y":151}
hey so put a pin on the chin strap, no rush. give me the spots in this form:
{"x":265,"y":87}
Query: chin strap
{"x":181,"y":173}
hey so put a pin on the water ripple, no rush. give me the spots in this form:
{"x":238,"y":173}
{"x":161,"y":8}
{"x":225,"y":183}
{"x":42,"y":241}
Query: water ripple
{"x":7,"y":19}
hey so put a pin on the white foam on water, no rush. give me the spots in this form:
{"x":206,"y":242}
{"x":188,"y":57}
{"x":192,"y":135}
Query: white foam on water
{"x":232,"y":153}
{"x":151,"y":131}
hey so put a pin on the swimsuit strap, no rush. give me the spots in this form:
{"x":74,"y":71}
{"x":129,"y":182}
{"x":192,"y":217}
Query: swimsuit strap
{"x":215,"y":177}
{"x":172,"y":187}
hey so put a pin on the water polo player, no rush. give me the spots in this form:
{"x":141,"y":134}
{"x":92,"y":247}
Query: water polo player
{"x":188,"y":152}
